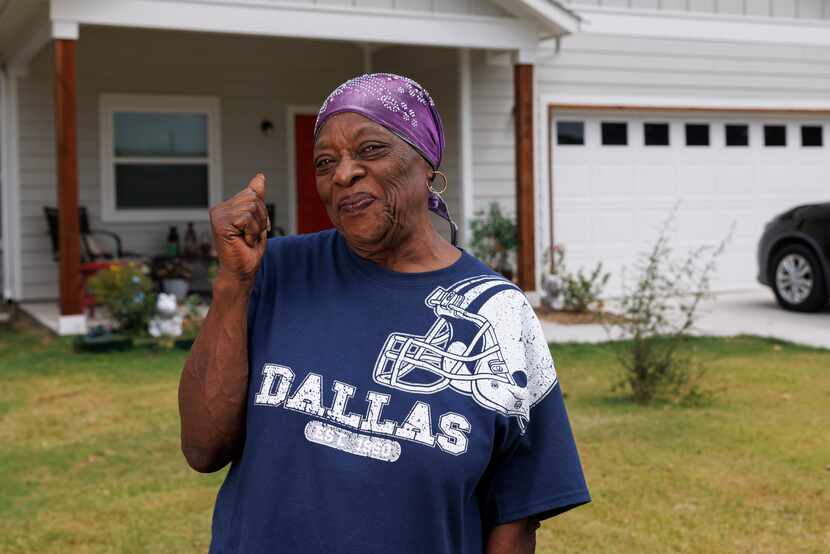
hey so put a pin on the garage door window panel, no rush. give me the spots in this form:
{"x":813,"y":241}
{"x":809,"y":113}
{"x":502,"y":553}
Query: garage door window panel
{"x":775,"y":135}
{"x":160,"y":157}
{"x":570,"y":133}
{"x":656,"y":134}
{"x":812,"y":136}
{"x":697,"y":134}
{"x":736,"y":134}
{"x":614,"y":133}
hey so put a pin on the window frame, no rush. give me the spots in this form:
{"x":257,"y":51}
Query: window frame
{"x":626,"y":123}
{"x":707,"y":124}
{"x":572,"y":120}
{"x":668,"y":134}
{"x":820,"y":127}
{"x":109,"y":104}
{"x":783,"y":126}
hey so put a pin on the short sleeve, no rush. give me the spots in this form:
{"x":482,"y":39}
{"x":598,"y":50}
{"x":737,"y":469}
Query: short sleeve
{"x":535,"y":468}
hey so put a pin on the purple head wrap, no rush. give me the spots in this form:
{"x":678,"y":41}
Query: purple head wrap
{"x":403,"y":107}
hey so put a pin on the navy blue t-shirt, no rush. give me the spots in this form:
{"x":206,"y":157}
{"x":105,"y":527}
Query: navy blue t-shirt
{"x":392,"y":412}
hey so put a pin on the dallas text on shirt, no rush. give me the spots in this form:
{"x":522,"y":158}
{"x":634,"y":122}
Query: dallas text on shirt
{"x":308,"y":398}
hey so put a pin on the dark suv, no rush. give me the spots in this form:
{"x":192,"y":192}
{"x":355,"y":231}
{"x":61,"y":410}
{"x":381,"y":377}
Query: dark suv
{"x":794,"y":257}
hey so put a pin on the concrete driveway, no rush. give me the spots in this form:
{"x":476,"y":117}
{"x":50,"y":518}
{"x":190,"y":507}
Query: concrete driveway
{"x":752,"y":312}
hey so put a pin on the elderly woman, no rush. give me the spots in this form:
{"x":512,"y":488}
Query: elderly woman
{"x":375,"y":387}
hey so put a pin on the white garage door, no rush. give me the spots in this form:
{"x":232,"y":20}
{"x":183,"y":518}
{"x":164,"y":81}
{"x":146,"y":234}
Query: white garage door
{"x":616,"y":177}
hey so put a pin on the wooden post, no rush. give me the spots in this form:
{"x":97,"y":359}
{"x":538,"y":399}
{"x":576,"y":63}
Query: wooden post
{"x":69,"y":247}
{"x":523,"y":118}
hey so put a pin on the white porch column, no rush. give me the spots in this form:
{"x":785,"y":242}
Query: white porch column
{"x":10,"y":180}
{"x":465,"y":147}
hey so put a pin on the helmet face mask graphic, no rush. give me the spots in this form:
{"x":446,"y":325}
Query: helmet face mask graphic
{"x":484,"y":343}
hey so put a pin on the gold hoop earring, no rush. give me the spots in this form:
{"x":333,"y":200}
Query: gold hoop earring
{"x":446,"y":184}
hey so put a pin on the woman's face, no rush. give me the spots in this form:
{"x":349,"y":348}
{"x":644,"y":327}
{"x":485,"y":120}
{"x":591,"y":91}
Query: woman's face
{"x":373,"y":184}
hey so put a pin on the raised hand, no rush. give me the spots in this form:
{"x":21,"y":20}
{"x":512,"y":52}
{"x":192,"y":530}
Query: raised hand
{"x":240,"y":226}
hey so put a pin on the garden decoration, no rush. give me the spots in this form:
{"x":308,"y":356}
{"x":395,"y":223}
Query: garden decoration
{"x":166,"y":325}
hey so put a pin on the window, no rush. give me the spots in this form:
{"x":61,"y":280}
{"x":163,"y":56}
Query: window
{"x":697,"y":134}
{"x":812,"y":135}
{"x":656,"y":134}
{"x":775,"y":135}
{"x":160,"y":157}
{"x":570,"y":132}
{"x":737,"y":135}
{"x":614,"y":134}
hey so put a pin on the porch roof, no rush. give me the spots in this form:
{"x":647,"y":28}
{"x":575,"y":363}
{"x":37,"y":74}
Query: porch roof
{"x":518,"y":29}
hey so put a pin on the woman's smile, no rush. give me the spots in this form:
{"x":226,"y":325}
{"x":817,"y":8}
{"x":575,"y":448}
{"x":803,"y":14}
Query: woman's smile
{"x":355,"y":203}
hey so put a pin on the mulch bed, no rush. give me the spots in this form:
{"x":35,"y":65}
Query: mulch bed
{"x":564,"y":317}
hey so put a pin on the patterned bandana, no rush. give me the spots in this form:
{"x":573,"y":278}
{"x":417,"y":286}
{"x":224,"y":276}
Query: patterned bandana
{"x":403,"y":107}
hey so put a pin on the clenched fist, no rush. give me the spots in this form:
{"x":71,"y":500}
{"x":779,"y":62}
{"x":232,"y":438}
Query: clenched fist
{"x":240,"y":226}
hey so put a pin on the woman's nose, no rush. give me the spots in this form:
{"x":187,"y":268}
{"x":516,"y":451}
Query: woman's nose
{"x":348,"y":171}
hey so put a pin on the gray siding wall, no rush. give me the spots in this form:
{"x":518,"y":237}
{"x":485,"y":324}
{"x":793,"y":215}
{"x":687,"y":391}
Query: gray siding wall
{"x":254,"y":79}
{"x":803,"y":9}
{"x":609,"y":66}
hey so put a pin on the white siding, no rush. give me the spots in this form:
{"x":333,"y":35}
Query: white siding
{"x":254,"y":79}
{"x":436,"y":70}
{"x":612,"y":66}
{"x":802,"y":9}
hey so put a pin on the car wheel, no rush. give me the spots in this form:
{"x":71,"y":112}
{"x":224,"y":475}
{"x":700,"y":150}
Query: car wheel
{"x":798,"y":280}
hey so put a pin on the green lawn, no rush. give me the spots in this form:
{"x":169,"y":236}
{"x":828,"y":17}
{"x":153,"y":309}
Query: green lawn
{"x":89,"y":458}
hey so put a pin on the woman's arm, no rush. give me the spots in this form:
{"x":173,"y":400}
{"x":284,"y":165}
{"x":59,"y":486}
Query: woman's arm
{"x":214,"y":381}
{"x":516,"y":537}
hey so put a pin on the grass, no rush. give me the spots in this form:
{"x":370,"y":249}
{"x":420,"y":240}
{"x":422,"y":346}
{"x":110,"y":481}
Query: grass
{"x":89,"y":458}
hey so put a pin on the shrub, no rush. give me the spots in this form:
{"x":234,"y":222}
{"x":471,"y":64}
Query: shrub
{"x":494,"y":239}
{"x":658,"y":314}
{"x":127,"y":293}
{"x":573,"y":292}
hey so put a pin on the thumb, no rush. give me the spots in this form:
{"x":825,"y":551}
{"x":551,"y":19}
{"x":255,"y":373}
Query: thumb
{"x":257,"y":184}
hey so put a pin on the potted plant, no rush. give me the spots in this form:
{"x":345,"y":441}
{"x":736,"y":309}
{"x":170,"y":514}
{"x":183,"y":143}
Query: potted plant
{"x":494,"y":239}
{"x":174,"y":274}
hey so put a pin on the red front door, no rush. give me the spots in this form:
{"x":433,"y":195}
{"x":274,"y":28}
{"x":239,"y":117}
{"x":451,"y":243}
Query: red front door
{"x":311,"y":214}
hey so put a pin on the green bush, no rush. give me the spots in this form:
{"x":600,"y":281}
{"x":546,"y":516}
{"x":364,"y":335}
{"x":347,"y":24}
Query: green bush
{"x":659,"y":313}
{"x":580,"y":291}
{"x":494,"y":239}
{"x":127,"y":293}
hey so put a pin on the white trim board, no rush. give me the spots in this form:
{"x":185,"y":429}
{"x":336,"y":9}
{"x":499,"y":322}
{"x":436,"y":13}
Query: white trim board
{"x":110,"y":103}
{"x":257,"y":17}
{"x":703,"y":26}
{"x":291,"y":163}
{"x":10,"y":182}
{"x":680,"y":103}
{"x":465,"y":146}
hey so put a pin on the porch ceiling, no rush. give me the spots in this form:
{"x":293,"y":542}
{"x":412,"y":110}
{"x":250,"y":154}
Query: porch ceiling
{"x":254,"y":17}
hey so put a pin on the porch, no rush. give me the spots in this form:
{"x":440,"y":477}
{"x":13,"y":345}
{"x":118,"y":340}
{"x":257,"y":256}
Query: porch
{"x":137,"y":105}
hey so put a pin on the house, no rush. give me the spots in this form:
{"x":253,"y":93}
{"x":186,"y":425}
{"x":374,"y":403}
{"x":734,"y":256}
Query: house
{"x":588,"y":120}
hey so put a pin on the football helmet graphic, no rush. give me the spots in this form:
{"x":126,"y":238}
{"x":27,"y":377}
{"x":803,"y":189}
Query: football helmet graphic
{"x":485,"y":342}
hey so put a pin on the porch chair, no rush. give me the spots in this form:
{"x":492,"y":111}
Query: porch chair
{"x":94,"y":257}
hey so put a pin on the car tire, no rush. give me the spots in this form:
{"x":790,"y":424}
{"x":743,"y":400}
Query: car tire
{"x":798,"y":280}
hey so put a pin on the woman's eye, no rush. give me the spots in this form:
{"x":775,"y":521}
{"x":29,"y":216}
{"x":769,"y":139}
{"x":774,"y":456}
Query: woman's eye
{"x":371,"y":148}
{"x":323,"y":163}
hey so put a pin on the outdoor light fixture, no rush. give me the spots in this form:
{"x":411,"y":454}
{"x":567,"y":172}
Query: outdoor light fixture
{"x":266,"y":127}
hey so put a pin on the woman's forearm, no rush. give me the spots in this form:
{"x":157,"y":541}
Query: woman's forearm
{"x":214,"y":381}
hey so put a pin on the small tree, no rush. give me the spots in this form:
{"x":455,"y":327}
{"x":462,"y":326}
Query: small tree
{"x":658,"y":314}
{"x":494,"y":239}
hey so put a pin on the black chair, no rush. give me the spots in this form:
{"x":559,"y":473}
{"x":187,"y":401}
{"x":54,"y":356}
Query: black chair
{"x":90,"y":250}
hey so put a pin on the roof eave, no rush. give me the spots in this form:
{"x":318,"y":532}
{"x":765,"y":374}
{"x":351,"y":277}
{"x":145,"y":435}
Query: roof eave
{"x":550,"y":15}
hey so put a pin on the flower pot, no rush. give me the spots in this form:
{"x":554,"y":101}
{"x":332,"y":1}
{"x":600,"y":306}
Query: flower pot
{"x":176,"y":287}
